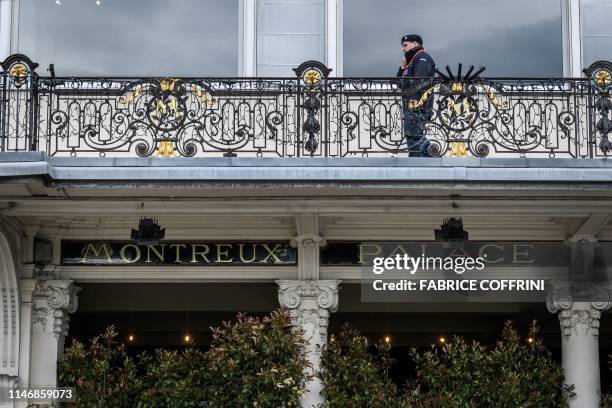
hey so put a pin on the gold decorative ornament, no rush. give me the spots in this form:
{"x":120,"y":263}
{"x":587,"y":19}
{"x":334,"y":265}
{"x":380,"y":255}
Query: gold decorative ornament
{"x":163,"y":107}
{"x":167,"y":84}
{"x":165,"y":149}
{"x":457,"y":87}
{"x":312,"y":77}
{"x":603,"y":77}
{"x":494,"y":100}
{"x":460,"y":108}
{"x":458,"y":149}
{"x":18,"y":72}
{"x":128,"y":99}
{"x":203,"y":96}
{"x":422,"y":99}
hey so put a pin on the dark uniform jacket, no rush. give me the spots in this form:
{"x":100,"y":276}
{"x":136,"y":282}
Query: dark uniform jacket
{"x":420,"y":65}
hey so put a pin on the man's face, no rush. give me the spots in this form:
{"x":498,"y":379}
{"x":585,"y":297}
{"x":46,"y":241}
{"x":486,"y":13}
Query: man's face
{"x":408,"y":45}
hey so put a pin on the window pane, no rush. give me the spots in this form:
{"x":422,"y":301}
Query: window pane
{"x":131,"y":37}
{"x":510,"y":38}
{"x":289,"y":32}
{"x":596,"y":31}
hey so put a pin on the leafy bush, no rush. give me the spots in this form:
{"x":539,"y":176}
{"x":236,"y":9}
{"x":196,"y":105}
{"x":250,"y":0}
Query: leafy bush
{"x":173,"y":379}
{"x":259,"y":362}
{"x":606,"y":399}
{"x":355,"y":374}
{"x":511,"y":374}
{"x":103,"y":374}
{"x":256,"y":362}
{"x":251,"y":362}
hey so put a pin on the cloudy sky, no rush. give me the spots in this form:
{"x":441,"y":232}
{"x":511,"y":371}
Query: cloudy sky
{"x":509,"y":37}
{"x":132,"y":37}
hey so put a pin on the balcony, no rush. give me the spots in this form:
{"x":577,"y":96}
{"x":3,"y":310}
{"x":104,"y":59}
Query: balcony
{"x":309,"y":115}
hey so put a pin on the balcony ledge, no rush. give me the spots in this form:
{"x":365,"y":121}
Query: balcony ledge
{"x":397,"y":169}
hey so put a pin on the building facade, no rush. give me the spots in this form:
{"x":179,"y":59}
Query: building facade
{"x":266,"y":138}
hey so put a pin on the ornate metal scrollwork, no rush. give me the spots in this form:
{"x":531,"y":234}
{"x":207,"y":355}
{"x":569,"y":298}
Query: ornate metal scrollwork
{"x":601,"y":74}
{"x":311,"y":113}
{"x":311,"y":74}
{"x":19,"y":68}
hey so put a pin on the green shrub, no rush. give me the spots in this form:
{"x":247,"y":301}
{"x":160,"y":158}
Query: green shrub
{"x":355,"y":375}
{"x":513,"y":373}
{"x":251,"y":362}
{"x":102,"y":373}
{"x":256,"y":362}
{"x":606,"y":399}
{"x":173,"y":379}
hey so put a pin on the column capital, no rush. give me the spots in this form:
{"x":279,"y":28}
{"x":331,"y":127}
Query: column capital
{"x":53,"y":301}
{"x":292,"y":293}
{"x":575,"y":314}
{"x":310,"y":303}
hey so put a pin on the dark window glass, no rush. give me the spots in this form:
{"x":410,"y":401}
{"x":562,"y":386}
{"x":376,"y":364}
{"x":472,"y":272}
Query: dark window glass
{"x":510,"y":37}
{"x":131,"y":37}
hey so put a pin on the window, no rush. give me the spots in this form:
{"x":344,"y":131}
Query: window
{"x":596,"y":31}
{"x":289,"y":32}
{"x":510,"y":38}
{"x":131,"y":37}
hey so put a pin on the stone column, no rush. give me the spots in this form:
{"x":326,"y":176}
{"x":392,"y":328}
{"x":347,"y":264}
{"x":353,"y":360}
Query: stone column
{"x":53,"y":300}
{"x":580,"y":346}
{"x":310,"y":304}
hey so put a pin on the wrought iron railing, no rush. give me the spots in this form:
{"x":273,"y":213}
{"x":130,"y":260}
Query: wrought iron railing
{"x":311,"y":114}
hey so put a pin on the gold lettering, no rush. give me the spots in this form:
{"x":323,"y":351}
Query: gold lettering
{"x":459,"y":253}
{"x":123,"y":253}
{"x":96,"y":250}
{"x":242,"y":253}
{"x":482,"y":253}
{"x":271,"y":254}
{"x":399,"y":250}
{"x":160,"y":255}
{"x":224,"y":252}
{"x":369,"y":251}
{"x":178,"y":247}
{"x":195,"y":254}
{"x":526,"y":253}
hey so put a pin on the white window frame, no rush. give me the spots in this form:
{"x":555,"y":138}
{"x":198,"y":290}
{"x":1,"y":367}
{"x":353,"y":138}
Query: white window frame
{"x":579,"y":33}
{"x":7,"y":14}
{"x":248,"y":37}
{"x":572,"y":38}
{"x":571,"y":35}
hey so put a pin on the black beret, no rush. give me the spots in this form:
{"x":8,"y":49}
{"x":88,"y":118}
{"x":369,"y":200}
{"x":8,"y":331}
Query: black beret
{"x":412,"y":37}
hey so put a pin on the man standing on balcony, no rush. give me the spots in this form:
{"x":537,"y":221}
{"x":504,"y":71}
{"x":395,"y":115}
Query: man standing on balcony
{"x":415,"y":64}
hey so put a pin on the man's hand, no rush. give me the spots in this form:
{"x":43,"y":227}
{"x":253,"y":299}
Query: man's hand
{"x":403,"y":63}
